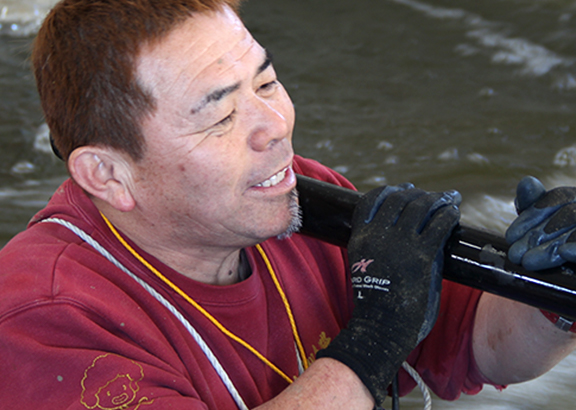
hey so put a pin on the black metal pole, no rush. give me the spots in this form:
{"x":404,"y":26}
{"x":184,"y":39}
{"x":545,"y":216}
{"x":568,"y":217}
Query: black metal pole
{"x":474,"y":257}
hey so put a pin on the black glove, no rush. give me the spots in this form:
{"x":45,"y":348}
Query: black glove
{"x":396,"y":256}
{"x":544,"y":234}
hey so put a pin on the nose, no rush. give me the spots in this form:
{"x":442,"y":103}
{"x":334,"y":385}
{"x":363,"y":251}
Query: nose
{"x":271,"y":122}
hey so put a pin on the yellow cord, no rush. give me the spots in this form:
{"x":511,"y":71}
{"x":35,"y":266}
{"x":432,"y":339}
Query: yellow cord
{"x":212,"y":318}
{"x":286,"y":305}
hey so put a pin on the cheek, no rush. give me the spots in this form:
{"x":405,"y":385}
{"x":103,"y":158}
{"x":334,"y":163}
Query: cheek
{"x":205,"y":176}
{"x":206,"y":184}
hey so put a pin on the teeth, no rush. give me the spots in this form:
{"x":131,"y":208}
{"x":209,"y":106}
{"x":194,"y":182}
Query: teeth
{"x":274,"y":180}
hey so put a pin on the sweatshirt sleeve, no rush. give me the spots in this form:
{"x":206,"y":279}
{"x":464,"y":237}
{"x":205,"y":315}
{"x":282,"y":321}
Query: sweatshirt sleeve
{"x":58,"y":355}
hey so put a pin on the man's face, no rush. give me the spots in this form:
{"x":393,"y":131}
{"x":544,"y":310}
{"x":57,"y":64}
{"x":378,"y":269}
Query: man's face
{"x":217,"y":168}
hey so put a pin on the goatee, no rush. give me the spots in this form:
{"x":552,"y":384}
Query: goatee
{"x":296,"y":216}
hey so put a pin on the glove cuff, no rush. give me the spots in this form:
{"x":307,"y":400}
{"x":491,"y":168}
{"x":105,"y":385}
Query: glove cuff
{"x":372,"y":353}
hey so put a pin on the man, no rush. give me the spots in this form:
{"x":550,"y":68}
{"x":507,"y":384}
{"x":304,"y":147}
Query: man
{"x":154,"y":278}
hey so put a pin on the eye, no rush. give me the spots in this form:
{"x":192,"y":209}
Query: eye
{"x":226,"y":120}
{"x":268,"y":88}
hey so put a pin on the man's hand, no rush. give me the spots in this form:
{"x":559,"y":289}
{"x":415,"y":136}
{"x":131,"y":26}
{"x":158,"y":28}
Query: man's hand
{"x":396,"y":255}
{"x":544,"y":234}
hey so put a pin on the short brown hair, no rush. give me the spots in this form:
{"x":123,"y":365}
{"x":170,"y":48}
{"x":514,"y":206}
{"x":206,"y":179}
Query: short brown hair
{"x":84,"y":60}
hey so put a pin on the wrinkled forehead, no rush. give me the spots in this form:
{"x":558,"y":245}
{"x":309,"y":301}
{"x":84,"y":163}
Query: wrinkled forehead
{"x":201,"y":40}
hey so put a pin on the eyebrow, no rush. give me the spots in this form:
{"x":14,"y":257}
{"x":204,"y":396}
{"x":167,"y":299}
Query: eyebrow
{"x":267,"y":62}
{"x":220,"y":93}
{"x":215,"y":96}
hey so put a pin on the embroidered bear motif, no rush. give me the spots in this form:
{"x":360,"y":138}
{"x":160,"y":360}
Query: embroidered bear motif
{"x":111,"y":383}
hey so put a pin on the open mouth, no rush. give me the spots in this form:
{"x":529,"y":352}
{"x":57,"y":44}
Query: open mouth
{"x":274,"y":179}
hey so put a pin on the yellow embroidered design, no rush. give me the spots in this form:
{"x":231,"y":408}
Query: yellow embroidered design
{"x":111,"y":383}
{"x":323,"y":343}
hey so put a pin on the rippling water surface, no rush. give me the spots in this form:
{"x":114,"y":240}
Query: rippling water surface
{"x":470,"y":95}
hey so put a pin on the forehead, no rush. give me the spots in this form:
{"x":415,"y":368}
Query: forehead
{"x":204,"y":43}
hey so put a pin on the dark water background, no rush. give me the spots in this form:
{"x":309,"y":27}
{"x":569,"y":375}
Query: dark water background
{"x":467,"y":95}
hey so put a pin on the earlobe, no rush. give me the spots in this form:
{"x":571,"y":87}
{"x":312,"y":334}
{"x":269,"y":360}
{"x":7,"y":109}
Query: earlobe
{"x":104,"y":174}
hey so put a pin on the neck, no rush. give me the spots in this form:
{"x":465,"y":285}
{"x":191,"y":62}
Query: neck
{"x":229,"y":271}
{"x":210,"y":266}
{"x":213,"y":265}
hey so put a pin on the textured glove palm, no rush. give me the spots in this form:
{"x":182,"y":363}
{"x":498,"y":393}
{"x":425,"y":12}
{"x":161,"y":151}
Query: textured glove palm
{"x":396,"y":252}
{"x":544,"y":234}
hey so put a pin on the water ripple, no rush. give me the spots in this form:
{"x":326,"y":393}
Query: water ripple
{"x":535,"y":60}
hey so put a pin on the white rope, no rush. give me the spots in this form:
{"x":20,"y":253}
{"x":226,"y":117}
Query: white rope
{"x":423,"y":388}
{"x":299,"y":358}
{"x":207,"y":351}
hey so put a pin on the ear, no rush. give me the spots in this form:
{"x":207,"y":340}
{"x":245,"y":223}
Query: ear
{"x":104,"y":173}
